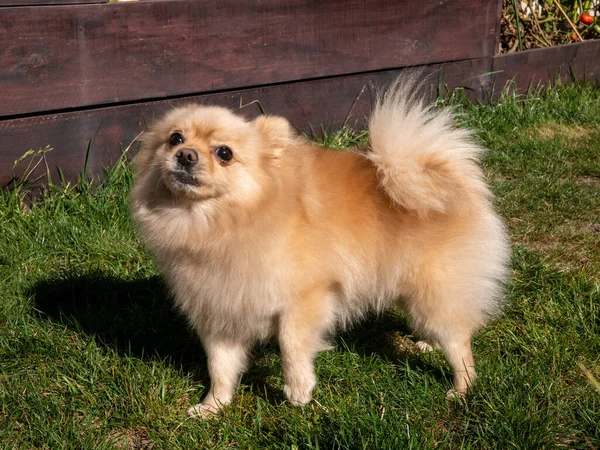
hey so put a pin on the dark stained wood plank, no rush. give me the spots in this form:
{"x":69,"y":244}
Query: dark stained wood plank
{"x":71,"y":57}
{"x":10,"y":3}
{"x":526,"y":69}
{"x":46,"y":2}
{"x":329,"y":102}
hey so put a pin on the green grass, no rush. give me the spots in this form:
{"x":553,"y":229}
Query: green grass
{"x":92,"y":355}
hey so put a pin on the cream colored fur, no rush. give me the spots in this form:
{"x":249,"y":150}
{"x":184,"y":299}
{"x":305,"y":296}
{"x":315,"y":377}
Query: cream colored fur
{"x":294,"y":241}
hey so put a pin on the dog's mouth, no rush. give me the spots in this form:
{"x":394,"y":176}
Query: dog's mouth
{"x":183,"y":183}
{"x":179,"y":181}
{"x":185,"y":178}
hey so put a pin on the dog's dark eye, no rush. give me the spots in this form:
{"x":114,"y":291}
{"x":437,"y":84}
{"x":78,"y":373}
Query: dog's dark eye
{"x":175,"y":139}
{"x":224,"y":153}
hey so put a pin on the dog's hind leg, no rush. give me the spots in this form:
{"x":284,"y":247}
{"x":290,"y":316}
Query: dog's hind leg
{"x":455,"y":342}
{"x":457,"y":349}
{"x":437,"y":315}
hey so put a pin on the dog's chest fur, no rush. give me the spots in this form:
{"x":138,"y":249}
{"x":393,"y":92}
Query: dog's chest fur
{"x":225,"y":286}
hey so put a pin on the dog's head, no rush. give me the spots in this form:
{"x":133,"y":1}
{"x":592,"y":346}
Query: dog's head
{"x":201,"y":153}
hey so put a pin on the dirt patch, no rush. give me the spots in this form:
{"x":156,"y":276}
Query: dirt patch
{"x":588,"y":180}
{"x":594,"y":228}
{"x":401,"y":344}
{"x":584,"y":180}
{"x":552,"y":131}
{"x":132,"y":440}
{"x":575,"y":245}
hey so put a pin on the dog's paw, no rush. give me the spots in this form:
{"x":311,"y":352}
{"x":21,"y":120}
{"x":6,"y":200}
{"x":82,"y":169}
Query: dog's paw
{"x":297,"y":397}
{"x":203,"y":411}
{"x":423,"y":347}
{"x":455,"y":396}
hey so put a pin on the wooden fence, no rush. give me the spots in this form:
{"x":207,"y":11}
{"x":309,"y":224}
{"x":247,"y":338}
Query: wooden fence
{"x":75,"y":71}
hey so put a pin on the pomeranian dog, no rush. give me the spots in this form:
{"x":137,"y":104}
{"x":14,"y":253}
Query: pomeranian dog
{"x":262,"y":234}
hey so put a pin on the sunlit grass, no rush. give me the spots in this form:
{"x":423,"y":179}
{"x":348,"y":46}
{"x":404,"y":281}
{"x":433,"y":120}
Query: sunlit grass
{"x":92,"y":355}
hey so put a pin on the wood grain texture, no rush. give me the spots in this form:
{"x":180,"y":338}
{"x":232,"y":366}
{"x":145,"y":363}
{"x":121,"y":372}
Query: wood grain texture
{"x":311,"y":104}
{"x":46,"y":2}
{"x":527,"y":69}
{"x":61,"y":57}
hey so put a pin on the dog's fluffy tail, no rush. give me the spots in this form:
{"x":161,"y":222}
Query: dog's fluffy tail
{"x":424,"y":163}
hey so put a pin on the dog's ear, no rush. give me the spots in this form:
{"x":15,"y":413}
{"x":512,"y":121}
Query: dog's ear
{"x":276,"y":131}
{"x":148,"y":143}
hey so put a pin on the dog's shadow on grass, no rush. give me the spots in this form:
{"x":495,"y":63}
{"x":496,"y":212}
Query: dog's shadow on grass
{"x":388,"y":336}
{"x":134,"y":317}
{"x":137,"y":318}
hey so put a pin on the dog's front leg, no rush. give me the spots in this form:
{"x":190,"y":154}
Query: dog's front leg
{"x":226,"y":362}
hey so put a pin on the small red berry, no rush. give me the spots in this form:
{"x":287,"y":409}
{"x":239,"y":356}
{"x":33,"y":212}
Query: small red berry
{"x":586,"y":18}
{"x":574,"y":37}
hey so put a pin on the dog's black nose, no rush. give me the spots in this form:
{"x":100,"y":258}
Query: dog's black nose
{"x":187,"y":157}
